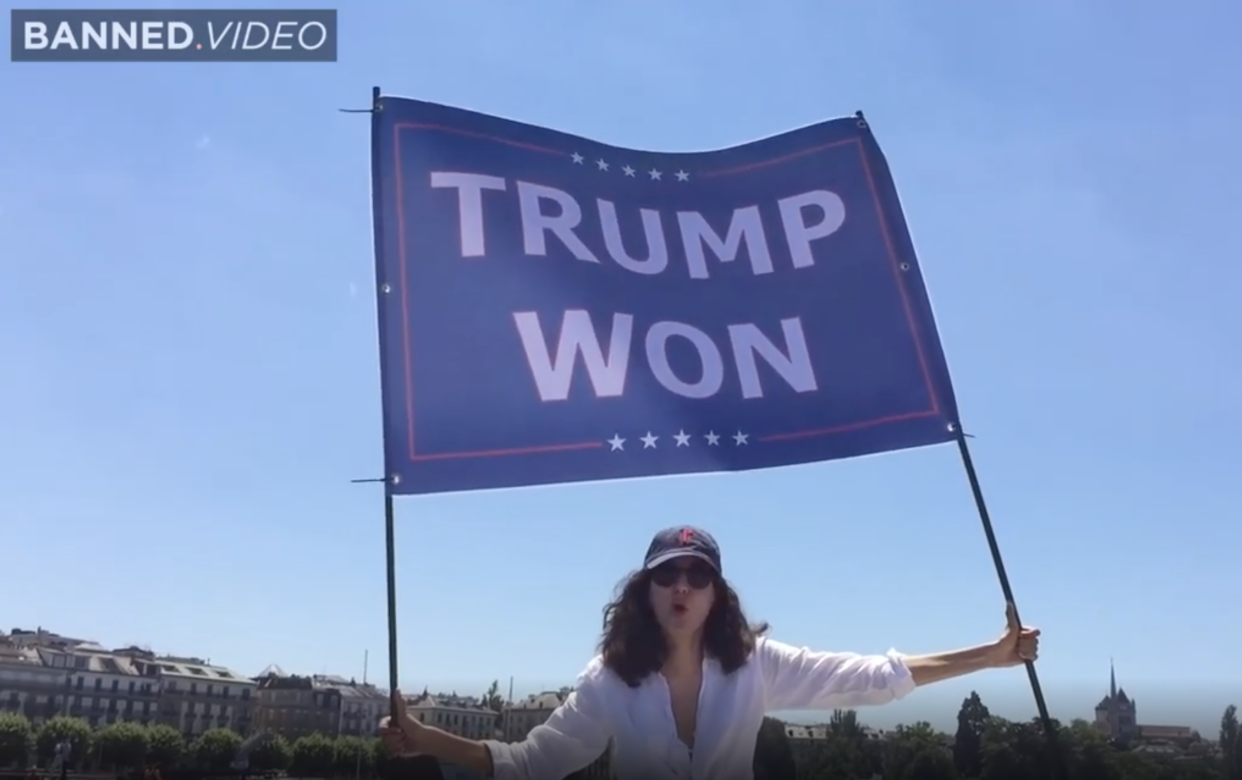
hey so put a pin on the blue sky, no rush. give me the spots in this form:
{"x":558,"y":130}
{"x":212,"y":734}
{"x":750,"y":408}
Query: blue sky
{"x":190,"y":380}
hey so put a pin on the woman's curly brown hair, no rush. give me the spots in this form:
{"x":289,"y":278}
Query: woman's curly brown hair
{"x":633,"y":645}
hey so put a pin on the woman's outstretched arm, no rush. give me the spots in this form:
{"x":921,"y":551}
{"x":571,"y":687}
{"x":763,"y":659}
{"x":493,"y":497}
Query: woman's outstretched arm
{"x":1017,"y":645}
{"x":575,"y":735}
{"x":798,"y":678}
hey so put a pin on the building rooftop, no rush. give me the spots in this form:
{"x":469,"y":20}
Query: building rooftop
{"x":794,"y":731}
{"x":548,"y":700}
{"x":196,"y":669}
{"x":440,"y":701}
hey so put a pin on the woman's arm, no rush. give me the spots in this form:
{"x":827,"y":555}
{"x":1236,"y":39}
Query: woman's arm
{"x":798,"y":679}
{"x":468,"y":753}
{"x":1018,"y":645}
{"x":802,"y":679}
{"x":575,"y":735}
{"x":927,"y":669}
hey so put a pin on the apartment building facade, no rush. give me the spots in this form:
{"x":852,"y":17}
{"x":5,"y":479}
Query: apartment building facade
{"x":196,"y":696}
{"x":461,"y":715}
{"x":521,"y":716}
{"x":361,"y":705}
{"x":294,"y":706}
{"x":104,"y":687}
{"x":27,"y":686}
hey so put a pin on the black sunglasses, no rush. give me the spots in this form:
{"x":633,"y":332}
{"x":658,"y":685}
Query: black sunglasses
{"x":698,"y":575}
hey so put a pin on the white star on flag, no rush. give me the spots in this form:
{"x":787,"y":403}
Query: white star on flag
{"x":617,"y":442}
{"x":683,"y":176}
{"x":649,"y":440}
{"x":577,"y":158}
{"x":603,"y":166}
{"x":712,"y":439}
{"x":683,"y":439}
{"x":628,"y":171}
{"x":740,"y":438}
{"x":654,"y":174}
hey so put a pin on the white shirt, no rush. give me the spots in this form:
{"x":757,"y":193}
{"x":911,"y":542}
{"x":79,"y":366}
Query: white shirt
{"x":637,"y":723}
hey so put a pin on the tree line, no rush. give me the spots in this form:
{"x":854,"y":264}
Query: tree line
{"x":127,"y":747}
{"x":984,"y":747}
{"x":987,"y":747}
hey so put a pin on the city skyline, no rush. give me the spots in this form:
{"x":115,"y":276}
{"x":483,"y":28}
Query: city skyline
{"x":1199,"y":710}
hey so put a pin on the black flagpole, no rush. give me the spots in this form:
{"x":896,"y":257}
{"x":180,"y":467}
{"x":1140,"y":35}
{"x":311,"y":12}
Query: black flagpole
{"x":1061,"y":770}
{"x":403,"y":767}
{"x":1054,"y":750}
{"x":390,"y":543}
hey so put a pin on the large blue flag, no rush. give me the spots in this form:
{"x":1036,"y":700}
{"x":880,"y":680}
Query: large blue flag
{"x":554,"y":309}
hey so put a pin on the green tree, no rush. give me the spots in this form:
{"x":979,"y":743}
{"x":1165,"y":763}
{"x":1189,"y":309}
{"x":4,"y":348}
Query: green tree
{"x":273,"y":754}
{"x":123,"y":745}
{"x":379,"y":759}
{"x":932,"y":762}
{"x":214,"y":750}
{"x":59,"y":729}
{"x":354,"y":755}
{"x":493,"y":701}
{"x":165,"y":745}
{"x":1230,"y":744}
{"x":16,"y":738}
{"x":1002,"y":762}
{"x":907,"y":743}
{"x":845,"y":754}
{"x":844,"y":724}
{"x":972,"y":721}
{"x":1138,"y":766}
{"x":313,"y":756}
{"x":1089,"y":754}
{"x":774,"y":759}
{"x":834,"y":759}
{"x":1016,"y":751}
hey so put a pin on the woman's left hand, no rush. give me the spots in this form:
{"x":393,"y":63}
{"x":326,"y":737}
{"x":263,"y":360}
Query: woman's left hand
{"x":1019,"y":643}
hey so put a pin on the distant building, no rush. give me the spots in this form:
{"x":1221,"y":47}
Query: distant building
{"x":1116,"y":717}
{"x":43,"y":638}
{"x":519,"y":717}
{"x":105,"y":687}
{"x":196,"y":696}
{"x":27,"y":686}
{"x":294,"y":706}
{"x":361,"y":705}
{"x":464,"y":716}
{"x":803,"y":739}
{"x":43,"y":674}
{"x":1116,"y":714}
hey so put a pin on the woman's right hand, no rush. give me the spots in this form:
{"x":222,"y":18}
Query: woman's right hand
{"x":404,"y":735}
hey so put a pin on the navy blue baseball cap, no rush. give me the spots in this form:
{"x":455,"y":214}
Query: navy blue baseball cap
{"x":683,"y":541}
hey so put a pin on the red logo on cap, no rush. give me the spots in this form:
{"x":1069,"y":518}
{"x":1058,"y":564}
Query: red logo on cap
{"x":687,"y":536}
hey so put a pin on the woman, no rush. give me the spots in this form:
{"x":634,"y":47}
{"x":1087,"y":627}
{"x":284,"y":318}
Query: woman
{"x":682,"y":682}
